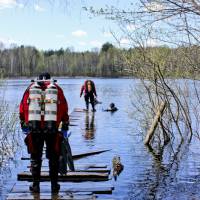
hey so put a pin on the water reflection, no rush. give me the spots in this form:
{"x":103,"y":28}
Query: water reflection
{"x":157,"y":182}
{"x":38,"y":196}
{"x":89,"y":126}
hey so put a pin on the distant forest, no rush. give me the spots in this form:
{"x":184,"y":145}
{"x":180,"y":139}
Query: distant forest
{"x":108,"y":62}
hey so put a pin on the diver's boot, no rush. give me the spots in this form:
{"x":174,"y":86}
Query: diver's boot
{"x":93,"y":108}
{"x":35,"y":170}
{"x":53,"y":172}
{"x":87,"y":107}
{"x":55,"y":187}
{"x":35,"y":187}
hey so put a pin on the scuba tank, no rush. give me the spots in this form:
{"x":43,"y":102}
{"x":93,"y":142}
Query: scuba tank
{"x":34,"y":109}
{"x":50,"y":107}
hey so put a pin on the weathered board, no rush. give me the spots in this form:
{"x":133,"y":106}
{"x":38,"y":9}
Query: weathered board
{"x":85,"y":166}
{"x":80,"y":110}
{"x":74,"y":120}
{"x":73,"y":125}
{"x":89,"y":153}
{"x":96,"y":170}
{"x":46,"y":189}
{"x":29,"y":196}
{"x":53,"y":197}
{"x":71,"y":176}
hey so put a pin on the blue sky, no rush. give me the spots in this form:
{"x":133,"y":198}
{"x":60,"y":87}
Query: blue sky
{"x":52,"y":26}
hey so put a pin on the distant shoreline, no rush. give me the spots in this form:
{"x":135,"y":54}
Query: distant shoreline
{"x":70,"y":77}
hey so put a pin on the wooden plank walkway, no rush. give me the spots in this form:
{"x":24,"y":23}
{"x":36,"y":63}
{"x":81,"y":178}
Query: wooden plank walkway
{"x":89,"y":169}
{"x":66,"y":188}
{"x":70,"y":176}
{"x":73,"y":185}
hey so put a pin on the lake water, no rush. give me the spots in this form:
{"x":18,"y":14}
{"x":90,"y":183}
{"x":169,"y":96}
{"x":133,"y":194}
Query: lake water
{"x":176,"y":176}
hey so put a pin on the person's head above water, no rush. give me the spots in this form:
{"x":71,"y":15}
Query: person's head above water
{"x":44,"y":76}
{"x":112,"y":105}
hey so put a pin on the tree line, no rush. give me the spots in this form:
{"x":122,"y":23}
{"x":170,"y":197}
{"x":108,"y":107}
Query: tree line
{"x":108,"y":62}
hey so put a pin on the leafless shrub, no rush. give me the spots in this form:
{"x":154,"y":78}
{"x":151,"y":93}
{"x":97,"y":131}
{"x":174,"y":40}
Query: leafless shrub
{"x":9,"y":130}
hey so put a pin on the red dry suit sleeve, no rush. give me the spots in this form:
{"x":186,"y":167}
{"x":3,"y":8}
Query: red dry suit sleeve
{"x":62,"y":107}
{"x":82,"y":89}
{"x":23,"y":107}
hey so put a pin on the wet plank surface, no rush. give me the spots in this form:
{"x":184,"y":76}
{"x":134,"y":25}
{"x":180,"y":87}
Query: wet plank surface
{"x":29,"y":196}
{"x":96,"y":170}
{"x":53,"y":197}
{"x":66,"y":188}
{"x":67,"y":191}
{"x":71,"y":176}
{"x":85,"y":166}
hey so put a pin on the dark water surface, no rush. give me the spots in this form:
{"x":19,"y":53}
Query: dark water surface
{"x":144,"y":176}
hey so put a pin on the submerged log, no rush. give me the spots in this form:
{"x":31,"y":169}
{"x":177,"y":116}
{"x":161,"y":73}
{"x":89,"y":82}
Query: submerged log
{"x":155,"y":123}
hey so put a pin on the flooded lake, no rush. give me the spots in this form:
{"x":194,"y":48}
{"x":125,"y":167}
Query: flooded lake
{"x":145,"y":176}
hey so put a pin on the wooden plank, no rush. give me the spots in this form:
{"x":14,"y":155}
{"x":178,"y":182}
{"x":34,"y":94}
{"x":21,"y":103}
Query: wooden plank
{"x":73,"y":125}
{"x":96,"y":170}
{"x":79,"y":110}
{"x":75,"y":116}
{"x":74,"y":119}
{"x":45,"y":189}
{"x":44,"y":196}
{"x":71,"y":176}
{"x":79,"y":155}
{"x":89,"y":153}
{"x":57,"y":197}
{"x":84,"y":166}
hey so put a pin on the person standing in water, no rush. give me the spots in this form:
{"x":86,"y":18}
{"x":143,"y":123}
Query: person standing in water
{"x":89,"y":94}
{"x":43,"y":107}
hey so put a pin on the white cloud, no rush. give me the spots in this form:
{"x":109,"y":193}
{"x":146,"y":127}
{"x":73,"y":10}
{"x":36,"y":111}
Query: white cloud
{"x":7,"y":41}
{"x":154,"y":6}
{"x":152,"y":43}
{"x":7,"y":4}
{"x":124,"y":41}
{"x":79,"y":33}
{"x":131,"y":27}
{"x":96,"y":43}
{"x":38,"y":8}
{"x":4,"y":4}
{"x":107,"y":34}
{"x":82,"y":43}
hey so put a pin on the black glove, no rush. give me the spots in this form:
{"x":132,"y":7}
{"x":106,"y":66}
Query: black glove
{"x":65,"y":126}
